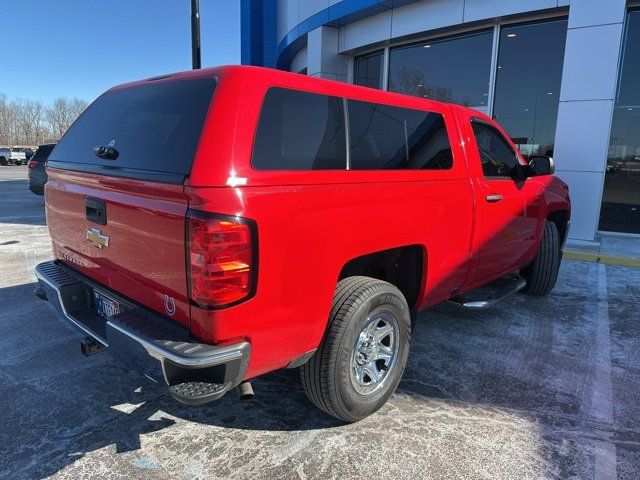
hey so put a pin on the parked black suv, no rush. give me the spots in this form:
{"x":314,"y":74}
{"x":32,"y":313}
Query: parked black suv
{"x":37,"y":174}
{"x":28,"y":152}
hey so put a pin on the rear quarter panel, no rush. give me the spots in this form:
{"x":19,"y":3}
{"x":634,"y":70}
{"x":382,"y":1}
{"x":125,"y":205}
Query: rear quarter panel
{"x":308,"y":233}
{"x":311,"y":223}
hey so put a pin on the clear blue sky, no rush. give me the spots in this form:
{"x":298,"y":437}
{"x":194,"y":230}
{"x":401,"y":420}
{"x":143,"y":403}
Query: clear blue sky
{"x":79,"y":48}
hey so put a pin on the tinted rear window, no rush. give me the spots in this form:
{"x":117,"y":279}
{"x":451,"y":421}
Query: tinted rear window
{"x":388,"y":137}
{"x":154,"y":127}
{"x":300,"y":131}
{"x":43,"y":152}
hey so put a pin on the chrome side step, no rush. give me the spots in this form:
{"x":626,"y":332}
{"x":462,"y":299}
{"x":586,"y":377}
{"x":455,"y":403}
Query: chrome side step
{"x":491,"y":293}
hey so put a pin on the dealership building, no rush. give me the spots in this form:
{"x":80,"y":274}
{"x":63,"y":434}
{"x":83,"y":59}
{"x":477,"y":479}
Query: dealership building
{"x":561,"y":76}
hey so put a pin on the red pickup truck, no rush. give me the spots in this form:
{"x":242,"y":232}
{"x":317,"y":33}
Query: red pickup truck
{"x":215,"y":225}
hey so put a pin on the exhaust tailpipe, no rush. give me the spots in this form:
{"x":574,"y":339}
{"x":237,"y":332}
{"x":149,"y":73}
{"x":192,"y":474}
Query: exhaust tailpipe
{"x":245,"y":391}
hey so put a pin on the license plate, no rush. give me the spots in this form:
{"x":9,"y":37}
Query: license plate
{"x":105,"y":306}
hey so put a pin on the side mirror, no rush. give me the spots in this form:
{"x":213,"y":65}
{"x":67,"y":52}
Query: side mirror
{"x":541,"y":165}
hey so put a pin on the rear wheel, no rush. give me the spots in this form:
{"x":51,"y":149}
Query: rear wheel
{"x":364,"y":352}
{"x":3,"y":161}
{"x":542,"y":273}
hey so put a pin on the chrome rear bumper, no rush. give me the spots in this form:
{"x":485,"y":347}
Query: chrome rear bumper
{"x":137,"y":335}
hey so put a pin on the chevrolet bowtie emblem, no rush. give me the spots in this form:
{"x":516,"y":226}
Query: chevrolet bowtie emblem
{"x":95,"y":236}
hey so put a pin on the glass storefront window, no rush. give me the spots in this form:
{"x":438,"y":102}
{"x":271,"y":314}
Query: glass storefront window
{"x":368,"y":70}
{"x":528,"y":77}
{"x":455,"y":69}
{"x":620,"y":210}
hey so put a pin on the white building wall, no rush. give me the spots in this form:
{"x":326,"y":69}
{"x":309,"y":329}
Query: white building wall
{"x":307,"y":8}
{"x":428,"y":15}
{"x":293,"y":12}
{"x":299,"y":62}
{"x":323,"y":58}
{"x":422,"y":16}
{"x":373,"y":29}
{"x":589,"y":79}
{"x":482,"y":9}
{"x":288,"y":17}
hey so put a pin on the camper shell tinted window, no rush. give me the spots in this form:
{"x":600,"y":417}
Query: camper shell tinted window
{"x":153,"y":127}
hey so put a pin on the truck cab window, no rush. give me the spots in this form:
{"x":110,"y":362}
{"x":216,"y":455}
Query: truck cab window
{"x":386,"y":137}
{"x":497,"y":156}
{"x":300,"y":131}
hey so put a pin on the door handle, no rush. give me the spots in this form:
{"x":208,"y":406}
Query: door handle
{"x":96,"y":211}
{"x":494,"y":197}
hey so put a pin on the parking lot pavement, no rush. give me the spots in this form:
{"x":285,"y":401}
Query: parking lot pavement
{"x":533,"y":388}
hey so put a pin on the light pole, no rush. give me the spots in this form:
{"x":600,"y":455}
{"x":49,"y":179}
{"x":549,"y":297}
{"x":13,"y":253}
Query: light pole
{"x":195,"y":34}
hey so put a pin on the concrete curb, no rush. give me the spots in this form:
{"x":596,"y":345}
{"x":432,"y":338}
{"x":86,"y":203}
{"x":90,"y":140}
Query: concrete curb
{"x":599,"y":258}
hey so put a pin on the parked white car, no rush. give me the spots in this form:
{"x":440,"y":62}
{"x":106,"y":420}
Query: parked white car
{"x":13,"y":155}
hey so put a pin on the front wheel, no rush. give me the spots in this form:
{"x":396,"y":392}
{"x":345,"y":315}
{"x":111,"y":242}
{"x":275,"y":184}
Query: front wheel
{"x":542,"y":273}
{"x":364,"y":352}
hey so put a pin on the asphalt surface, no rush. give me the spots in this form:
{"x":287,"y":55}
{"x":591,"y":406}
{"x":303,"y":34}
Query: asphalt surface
{"x":533,"y":388}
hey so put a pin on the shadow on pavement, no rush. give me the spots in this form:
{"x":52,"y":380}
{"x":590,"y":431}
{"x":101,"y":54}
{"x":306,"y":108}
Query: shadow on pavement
{"x":528,"y":356}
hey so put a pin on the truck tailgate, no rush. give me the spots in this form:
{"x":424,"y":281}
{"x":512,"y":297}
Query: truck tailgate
{"x":138,"y":252}
{"x":115,"y":196}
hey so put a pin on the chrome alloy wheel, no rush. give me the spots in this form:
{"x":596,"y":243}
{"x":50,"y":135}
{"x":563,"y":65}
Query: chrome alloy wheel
{"x":374,"y":352}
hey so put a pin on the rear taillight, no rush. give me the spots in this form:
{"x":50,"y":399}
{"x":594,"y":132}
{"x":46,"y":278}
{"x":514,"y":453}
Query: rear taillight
{"x":33,"y":163}
{"x":221,"y":258}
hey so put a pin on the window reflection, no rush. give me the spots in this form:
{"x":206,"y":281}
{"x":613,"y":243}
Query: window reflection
{"x":300,"y":131}
{"x":528,"y":78}
{"x":396,"y":138}
{"x":621,"y":198}
{"x":497,"y":157}
{"x":455,"y":70}
{"x":368,"y":70}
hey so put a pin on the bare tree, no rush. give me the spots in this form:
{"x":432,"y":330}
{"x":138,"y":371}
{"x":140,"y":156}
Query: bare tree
{"x":77,"y":107}
{"x":63,"y":112}
{"x":59,"y":116}
{"x":31,"y":122}
{"x":8,"y":116}
{"x":411,"y":81}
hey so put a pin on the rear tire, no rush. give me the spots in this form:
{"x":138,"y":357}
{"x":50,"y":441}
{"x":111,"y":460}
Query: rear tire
{"x":364,"y":351}
{"x":542,"y":273}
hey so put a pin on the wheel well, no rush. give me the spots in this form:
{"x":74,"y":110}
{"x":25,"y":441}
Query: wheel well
{"x":401,"y":266}
{"x":561,"y":219}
